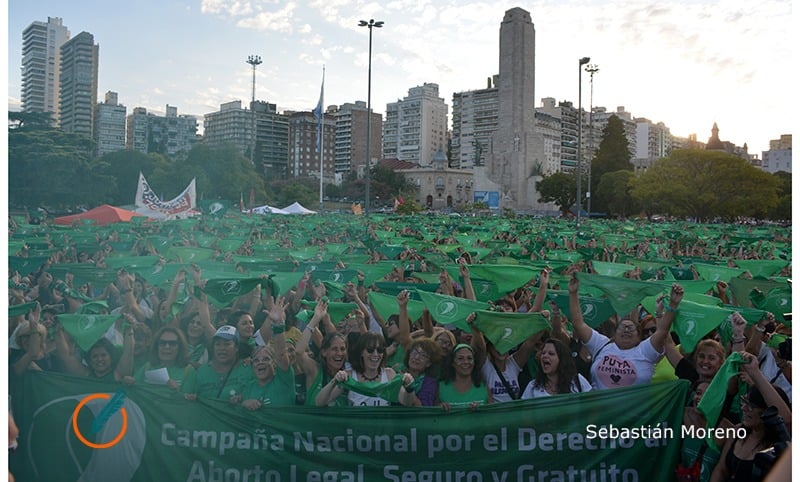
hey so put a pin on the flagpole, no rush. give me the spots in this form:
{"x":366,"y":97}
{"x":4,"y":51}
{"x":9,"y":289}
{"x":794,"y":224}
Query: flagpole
{"x":320,"y":136}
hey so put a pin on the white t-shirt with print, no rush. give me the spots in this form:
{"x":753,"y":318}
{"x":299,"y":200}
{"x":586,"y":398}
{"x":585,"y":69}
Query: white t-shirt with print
{"x":614,"y":367}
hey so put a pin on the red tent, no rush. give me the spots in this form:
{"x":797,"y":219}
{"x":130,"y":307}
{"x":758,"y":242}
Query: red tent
{"x":101,"y":215}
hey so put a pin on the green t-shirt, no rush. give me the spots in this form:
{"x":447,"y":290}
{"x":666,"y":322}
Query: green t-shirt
{"x":178,"y":374}
{"x":278,"y":392}
{"x":207,"y":383}
{"x":448,"y":394}
{"x":319,"y":382}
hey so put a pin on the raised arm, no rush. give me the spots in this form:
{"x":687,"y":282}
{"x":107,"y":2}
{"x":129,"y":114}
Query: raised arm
{"x":403,"y":324}
{"x":541,"y":293}
{"x":463,"y":270}
{"x":664,"y":323}
{"x":125,"y":365}
{"x":579,"y":327}
{"x":277,"y":318}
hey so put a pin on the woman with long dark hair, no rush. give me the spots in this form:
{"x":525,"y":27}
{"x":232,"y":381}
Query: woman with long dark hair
{"x":558,"y":373}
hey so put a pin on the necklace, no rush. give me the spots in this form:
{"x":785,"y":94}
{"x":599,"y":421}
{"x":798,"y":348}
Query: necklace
{"x":368,"y":379}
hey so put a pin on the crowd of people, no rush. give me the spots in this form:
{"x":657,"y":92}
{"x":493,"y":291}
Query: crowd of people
{"x":296,"y":345}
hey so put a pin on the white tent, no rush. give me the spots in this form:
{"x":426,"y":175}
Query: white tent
{"x":298,"y":208}
{"x":267,"y":209}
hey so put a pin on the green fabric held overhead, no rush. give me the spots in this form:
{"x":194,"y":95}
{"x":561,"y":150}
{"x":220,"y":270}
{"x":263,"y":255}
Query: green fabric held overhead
{"x":595,"y":309}
{"x":129,"y":262}
{"x":337,"y":310}
{"x":21,"y":309}
{"x":623,"y":293}
{"x":717,"y":273}
{"x":694,"y":321}
{"x":505,"y":277}
{"x":386,"y":306}
{"x":93,"y":308}
{"x":86,"y":329}
{"x":189,"y":254}
{"x":611,"y":269}
{"x":224,"y":291}
{"x":741,"y":288}
{"x":450,"y":310}
{"x":714,"y":398}
{"x":507,"y":330}
{"x":762,"y":267}
{"x":392,"y":288}
{"x":334,"y":291}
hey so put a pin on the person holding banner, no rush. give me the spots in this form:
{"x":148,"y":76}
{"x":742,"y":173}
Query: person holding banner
{"x":422,"y":357}
{"x":368,"y":362}
{"x":623,"y":360}
{"x":332,"y":356}
{"x":102,"y":360}
{"x":169,"y":361}
{"x":461,"y":384}
{"x":221,"y":377}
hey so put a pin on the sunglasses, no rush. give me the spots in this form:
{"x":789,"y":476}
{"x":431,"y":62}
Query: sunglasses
{"x":650,"y":330}
{"x":374,"y":349}
{"x":172,"y":343}
{"x":420,"y":354}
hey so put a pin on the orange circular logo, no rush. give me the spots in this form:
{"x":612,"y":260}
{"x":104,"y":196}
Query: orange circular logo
{"x":80,"y":436}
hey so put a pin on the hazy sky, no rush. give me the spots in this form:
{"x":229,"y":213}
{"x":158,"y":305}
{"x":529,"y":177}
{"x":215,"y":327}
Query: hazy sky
{"x":687,"y":64}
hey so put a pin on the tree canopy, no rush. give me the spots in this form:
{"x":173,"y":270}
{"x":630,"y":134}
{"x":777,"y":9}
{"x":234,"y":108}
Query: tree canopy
{"x":559,"y":188}
{"x":704,"y":185}
{"x":612,"y":154}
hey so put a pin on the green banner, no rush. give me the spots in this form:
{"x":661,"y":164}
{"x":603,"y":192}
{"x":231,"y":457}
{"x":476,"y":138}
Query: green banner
{"x":622,"y":434}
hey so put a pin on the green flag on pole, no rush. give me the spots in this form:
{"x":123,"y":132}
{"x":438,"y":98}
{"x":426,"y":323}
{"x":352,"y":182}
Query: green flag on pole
{"x":507,"y":330}
{"x":86,"y":329}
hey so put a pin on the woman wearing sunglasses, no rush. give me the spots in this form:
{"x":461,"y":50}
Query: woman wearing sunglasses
{"x":624,"y":359}
{"x":168,"y":356}
{"x":368,"y":362}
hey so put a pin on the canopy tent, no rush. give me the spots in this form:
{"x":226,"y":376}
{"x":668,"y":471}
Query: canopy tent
{"x":298,"y":208}
{"x":101,"y":215}
{"x":295,"y":208}
{"x":266,"y":209}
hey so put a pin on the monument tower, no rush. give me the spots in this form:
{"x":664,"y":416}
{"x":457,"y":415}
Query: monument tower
{"x":516,"y":151}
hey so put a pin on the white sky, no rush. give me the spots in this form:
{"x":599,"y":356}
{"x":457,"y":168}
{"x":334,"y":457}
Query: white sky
{"x":687,"y":64}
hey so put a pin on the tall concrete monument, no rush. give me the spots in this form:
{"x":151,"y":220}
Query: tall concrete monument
{"x":516,"y":152}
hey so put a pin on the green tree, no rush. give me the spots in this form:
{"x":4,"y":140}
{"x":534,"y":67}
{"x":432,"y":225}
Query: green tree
{"x":51,"y":167}
{"x":704,"y":185}
{"x":302,"y":190}
{"x":124,"y":168}
{"x":614,"y":191}
{"x":408,"y":207}
{"x":612,"y":154}
{"x":558,"y":188}
{"x":784,"y":208}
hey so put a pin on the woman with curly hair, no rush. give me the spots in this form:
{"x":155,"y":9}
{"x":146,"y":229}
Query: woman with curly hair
{"x":558,"y":374}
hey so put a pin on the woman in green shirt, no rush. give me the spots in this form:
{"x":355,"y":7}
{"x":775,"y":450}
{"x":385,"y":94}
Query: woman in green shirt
{"x":461,"y":384}
{"x":168,"y":352}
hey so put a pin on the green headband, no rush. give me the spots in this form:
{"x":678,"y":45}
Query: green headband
{"x":463,"y":345}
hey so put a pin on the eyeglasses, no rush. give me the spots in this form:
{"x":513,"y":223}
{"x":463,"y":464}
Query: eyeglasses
{"x":172,"y":343}
{"x":419,"y":354}
{"x":746,"y":404}
{"x":262,"y":360}
{"x":374,"y":349}
{"x":626,"y":328}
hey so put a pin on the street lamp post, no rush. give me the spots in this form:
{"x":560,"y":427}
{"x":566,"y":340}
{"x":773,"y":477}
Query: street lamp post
{"x":253,"y":60}
{"x":591,"y":68}
{"x":581,"y":63}
{"x":369,"y":25}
